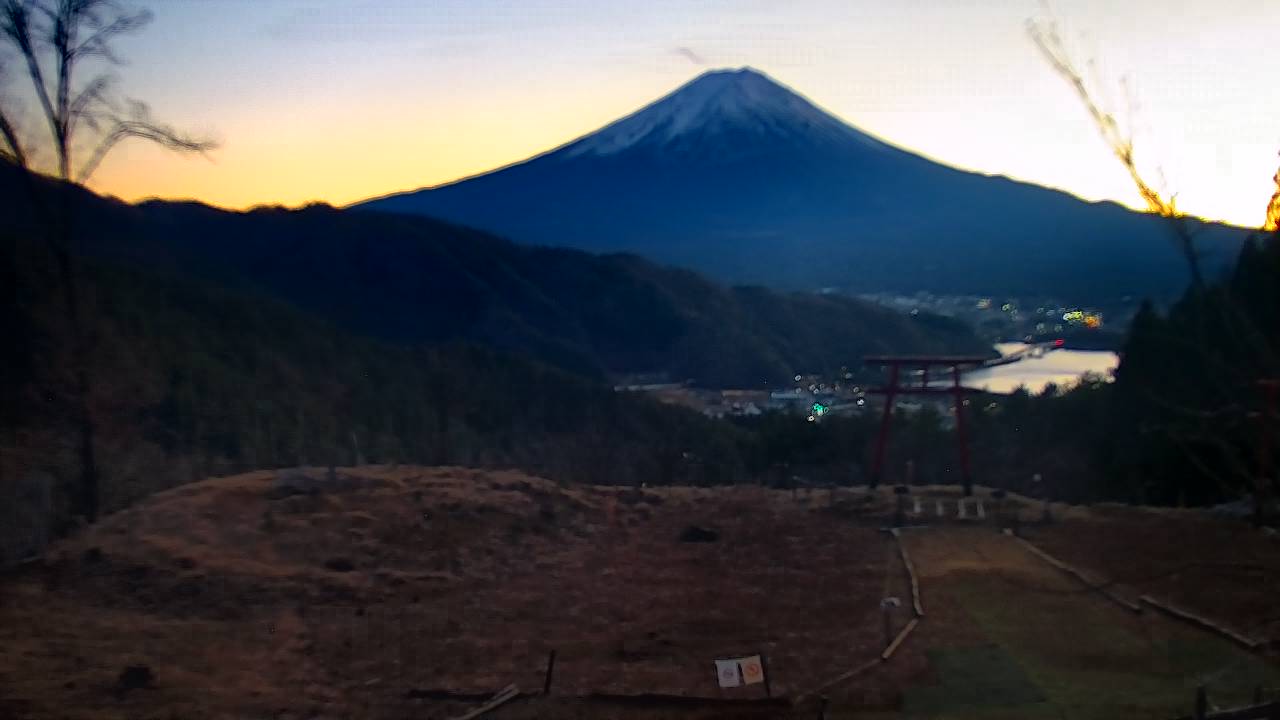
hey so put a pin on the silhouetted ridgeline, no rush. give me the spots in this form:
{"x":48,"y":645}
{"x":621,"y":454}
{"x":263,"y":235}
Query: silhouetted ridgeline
{"x":411,"y":279}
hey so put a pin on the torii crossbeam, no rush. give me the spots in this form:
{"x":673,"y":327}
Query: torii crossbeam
{"x":952,"y":365}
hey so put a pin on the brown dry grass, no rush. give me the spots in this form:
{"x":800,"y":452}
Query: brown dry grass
{"x":1220,"y":568}
{"x":340,"y":604}
{"x":460,"y":580}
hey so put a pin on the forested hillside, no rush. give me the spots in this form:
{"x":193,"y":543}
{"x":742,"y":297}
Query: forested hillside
{"x":412,"y":280}
{"x":1192,"y":421}
{"x":1193,"y":415}
{"x":191,"y":380}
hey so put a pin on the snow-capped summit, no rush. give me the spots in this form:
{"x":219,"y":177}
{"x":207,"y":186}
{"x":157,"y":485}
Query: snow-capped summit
{"x":729,"y":103}
{"x":740,"y":177}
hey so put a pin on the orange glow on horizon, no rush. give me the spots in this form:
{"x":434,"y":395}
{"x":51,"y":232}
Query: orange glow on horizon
{"x":338,"y":106}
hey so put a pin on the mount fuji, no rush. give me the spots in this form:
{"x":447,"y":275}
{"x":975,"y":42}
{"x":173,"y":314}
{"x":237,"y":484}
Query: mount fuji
{"x":739,"y":177}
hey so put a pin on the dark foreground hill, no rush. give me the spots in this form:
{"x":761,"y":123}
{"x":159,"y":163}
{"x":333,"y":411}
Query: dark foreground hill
{"x":414,"y":280}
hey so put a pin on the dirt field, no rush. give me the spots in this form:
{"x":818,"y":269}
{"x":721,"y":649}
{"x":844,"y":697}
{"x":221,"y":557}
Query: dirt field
{"x":441,"y":579}
{"x":393,"y":587}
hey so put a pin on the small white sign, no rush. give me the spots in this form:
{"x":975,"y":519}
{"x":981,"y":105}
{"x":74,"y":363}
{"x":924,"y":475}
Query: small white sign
{"x":736,"y":672}
{"x":728,"y":674}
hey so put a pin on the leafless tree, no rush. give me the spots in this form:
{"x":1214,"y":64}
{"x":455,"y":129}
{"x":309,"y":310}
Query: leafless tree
{"x":54,"y":40}
{"x":1206,"y":427}
{"x":1045,"y":34}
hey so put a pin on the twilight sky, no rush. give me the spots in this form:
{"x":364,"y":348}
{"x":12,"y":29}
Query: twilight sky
{"x":341,"y":100}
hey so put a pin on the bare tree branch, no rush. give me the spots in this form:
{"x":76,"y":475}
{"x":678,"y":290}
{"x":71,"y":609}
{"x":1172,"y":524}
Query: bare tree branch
{"x":63,"y":33}
{"x":141,"y":126}
{"x":16,"y":23}
{"x":12,"y":145}
{"x":11,"y":148}
{"x":98,"y":42}
{"x":1045,"y":35}
{"x":1228,"y":370}
{"x":65,"y":24}
{"x":94,"y":93}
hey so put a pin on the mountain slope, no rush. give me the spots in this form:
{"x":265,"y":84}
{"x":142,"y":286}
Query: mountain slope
{"x":192,"y":380}
{"x":415,"y":280}
{"x":738,"y":177}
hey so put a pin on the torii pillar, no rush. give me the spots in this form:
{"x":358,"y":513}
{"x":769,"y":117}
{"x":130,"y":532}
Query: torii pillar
{"x":896,"y":387}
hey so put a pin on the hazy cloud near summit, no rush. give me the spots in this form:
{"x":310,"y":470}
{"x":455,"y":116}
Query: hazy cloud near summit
{"x":690,"y":55}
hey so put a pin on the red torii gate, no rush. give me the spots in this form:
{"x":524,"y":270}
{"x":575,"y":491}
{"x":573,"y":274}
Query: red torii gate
{"x":895,"y":363}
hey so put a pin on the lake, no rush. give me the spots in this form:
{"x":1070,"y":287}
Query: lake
{"x":1061,"y":367}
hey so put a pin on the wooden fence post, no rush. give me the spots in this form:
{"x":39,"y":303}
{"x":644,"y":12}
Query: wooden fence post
{"x":764,"y":670}
{"x":1202,"y":703}
{"x":551,"y":666}
{"x":900,"y":512}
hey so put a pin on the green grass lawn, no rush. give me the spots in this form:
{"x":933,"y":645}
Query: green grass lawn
{"x":1068,"y":654}
{"x":973,"y":679}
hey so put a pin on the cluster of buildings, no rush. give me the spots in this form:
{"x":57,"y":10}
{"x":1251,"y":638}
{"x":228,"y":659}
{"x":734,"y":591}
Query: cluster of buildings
{"x":999,"y":318}
{"x":811,"y":396}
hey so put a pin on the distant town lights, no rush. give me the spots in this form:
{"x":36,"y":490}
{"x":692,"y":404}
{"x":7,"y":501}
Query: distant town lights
{"x":1090,"y":320}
